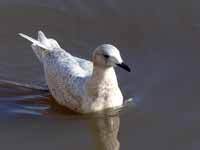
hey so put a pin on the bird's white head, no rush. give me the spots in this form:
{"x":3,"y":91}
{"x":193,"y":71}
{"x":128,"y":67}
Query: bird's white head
{"x":106,"y":56}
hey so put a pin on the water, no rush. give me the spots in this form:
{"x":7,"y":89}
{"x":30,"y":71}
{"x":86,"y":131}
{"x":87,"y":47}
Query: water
{"x":158,"y":39}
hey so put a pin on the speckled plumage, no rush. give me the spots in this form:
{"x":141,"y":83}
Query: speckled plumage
{"x":76,"y":83}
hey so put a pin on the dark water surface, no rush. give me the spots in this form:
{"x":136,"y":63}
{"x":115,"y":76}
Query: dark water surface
{"x":160,"y":40}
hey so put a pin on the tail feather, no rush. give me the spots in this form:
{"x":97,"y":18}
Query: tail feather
{"x":41,"y":37}
{"x":35,"y":42}
{"x":41,"y":44}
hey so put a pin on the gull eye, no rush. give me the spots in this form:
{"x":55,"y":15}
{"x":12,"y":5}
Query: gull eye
{"x":106,"y":56}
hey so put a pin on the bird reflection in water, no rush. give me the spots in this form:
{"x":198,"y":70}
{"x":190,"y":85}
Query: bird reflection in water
{"x":104,"y":131}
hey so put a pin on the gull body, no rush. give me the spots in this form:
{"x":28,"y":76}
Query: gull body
{"x":78,"y":84}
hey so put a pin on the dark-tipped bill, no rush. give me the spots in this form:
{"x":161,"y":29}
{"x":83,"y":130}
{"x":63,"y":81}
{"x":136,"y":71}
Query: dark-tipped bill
{"x":124,"y":66}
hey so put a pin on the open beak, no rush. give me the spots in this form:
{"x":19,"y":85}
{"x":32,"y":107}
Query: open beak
{"x":124,"y":66}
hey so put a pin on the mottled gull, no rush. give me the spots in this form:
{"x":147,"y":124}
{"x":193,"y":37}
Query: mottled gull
{"x":76,"y":83}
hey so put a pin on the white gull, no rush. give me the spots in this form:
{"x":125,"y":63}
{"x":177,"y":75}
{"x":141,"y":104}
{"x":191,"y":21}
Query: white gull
{"x":76,"y":83}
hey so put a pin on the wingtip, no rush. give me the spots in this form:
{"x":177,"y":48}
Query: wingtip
{"x":21,"y":34}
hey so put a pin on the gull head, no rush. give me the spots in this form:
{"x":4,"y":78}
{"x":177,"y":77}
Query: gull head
{"x":107,"y":55}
